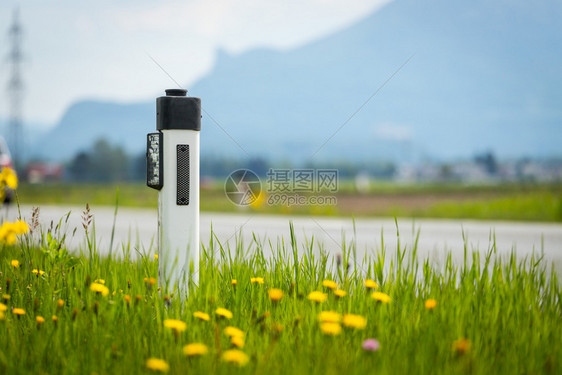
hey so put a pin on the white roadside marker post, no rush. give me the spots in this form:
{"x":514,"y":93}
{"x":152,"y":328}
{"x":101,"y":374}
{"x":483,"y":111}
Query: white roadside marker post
{"x":172,"y":160}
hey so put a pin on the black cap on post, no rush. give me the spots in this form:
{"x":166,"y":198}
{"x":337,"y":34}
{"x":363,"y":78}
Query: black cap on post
{"x":177,"y":111}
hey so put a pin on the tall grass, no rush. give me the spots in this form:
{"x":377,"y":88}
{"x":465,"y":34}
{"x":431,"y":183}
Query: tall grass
{"x":493,"y":315}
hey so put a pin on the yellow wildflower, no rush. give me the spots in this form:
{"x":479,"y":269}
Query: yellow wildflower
{"x":18,"y":311}
{"x":275,"y":294}
{"x":329,"y":328}
{"x":6,"y":297}
{"x":256,"y":280}
{"x":156,"y":364}
{"x":155,"y":256}
{"x":3,"y":307}
{"x":223,"y":313}
{"x":381,"y":297}
{"x":15,"y":263}
{"x":201,"y":316}
{"x":195,"y":349}
{"x":371,"y":284}
{"x":35,"y":271}
{"x":99,"y":281}
{"x":151,"y":280}
{"x":461,"y":346}
{"x":175,"y":325}
{"x":430,"y":304}
{"x":2,"y":315}
{"x":55,"y":319}
{"x":234,"y":282}
{"x":354,"y":321}
{"x":330,"y":284}
{"x":340,"y":293}
{"x":9,"y":177}
{"x":235,"y":356}
{"x":317,"y":296}
{"x":329,"y":316}
{"x":39,"y":319}
{"x":237,"y":341}
{"x":99,"y":288}
{"x":233,"y":331}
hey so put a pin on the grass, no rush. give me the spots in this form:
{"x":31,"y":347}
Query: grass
{"x":530,"y":202}
{"x":494,"y":314}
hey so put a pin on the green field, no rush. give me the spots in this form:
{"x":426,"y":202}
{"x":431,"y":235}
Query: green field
{"x":64,"y":314}
{"x":532,"y":202}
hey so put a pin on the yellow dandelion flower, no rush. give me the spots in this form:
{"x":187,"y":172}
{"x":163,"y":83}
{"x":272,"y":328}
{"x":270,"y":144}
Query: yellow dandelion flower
{"x":317,"y":296}
{"x":275,"y":294}
{"x":152,"y":281}
{"x":20,"y":227}
{"x":3,"y":307}
{"x":235,"y":356}
{"x":99,"y":288}
{"x":195,"y":349}
{"x":155,"y":256}
{"x":2,"y":315}
{"x":256,"y":280}
{"x":233,"y":331}
{"x":330,"y":284}
{"x":371,"y":284}
{"x":237,"y":341}
{"x":54,"y":318}
{"x":234,"y":281}
{"x":39,"y":319}
{"x":99,"y":281}
{"x":461,"y":346}
{"x":340,"y":293}
{"x":18,"y":311}
{"x":354,"y":321}
{"x":156,"y":364}
{"x":329,"y":317}
{"x":41,"y":273}
{"x":430,"y":304}
{"x":381,"y":297}
{"x":6,"y":297}
{"x":176,"y":325}
{"x":223,"y":313}
{"x":10,"y":178}
{"x":201,"y":316}
{"x":328,"y":328}
{"x":15,"y":263}
{"x":35,"y":271}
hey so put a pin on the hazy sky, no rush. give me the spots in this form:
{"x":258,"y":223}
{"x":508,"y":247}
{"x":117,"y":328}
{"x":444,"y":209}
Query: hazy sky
{"x":99,"y":49}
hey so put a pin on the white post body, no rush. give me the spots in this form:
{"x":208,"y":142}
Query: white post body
{"x":178,"y":225}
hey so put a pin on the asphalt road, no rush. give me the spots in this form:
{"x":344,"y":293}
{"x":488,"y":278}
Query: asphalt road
{"x":436,"y":237}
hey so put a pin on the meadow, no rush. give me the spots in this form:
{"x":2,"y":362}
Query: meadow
{"x":522,"y":201}
{"x":300,"y":311}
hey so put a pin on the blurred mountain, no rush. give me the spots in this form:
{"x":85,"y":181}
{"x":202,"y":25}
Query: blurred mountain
{"x":483,"y":75}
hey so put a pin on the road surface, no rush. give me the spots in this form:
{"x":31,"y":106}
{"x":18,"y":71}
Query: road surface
{"x":138,"y":226}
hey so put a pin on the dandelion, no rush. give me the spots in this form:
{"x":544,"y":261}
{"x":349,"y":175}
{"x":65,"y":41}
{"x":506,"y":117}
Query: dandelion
{"x":9,"y":177}
{"x":354,"y":321}
{"x":2,"y":315}
{"x":235,"y":356}
{"x":234,"y":282}
{"x":317,"y":296}
{"x":233,"y":332}
{"x":35,"y":271}
{"x":99,"y":288}
{"x":127,"y":299}
{"x":156,"y":364}
{"x":256,"y":280}
{"x":329,"y":317}
{"x":15,"y":263}
{"x":371,"y":284}
{"x":99,"y":281}
{"x":19,"y":312}
{"x":155,"y":256}
{"x":40,"y":320}
{"x":461,"y":346}
{"x":201,"y":316}
{"x":195,"y":349}
{"x":237,"y":341}
{"x":371,"y":345}
{"x":275,"y":294}
{"x":430,"y":304}
{"x":224,"y":313}
{"x":3,"y":307}
{"x":340,"y":293}
{"x":381,"y":297}
{"x":151,"y":281}
{"x":175,"y":325}
{"x":55,"y":319}
{"x":329,"y":328}
{"x":330,"y":284}
{"x":6,"y":297}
